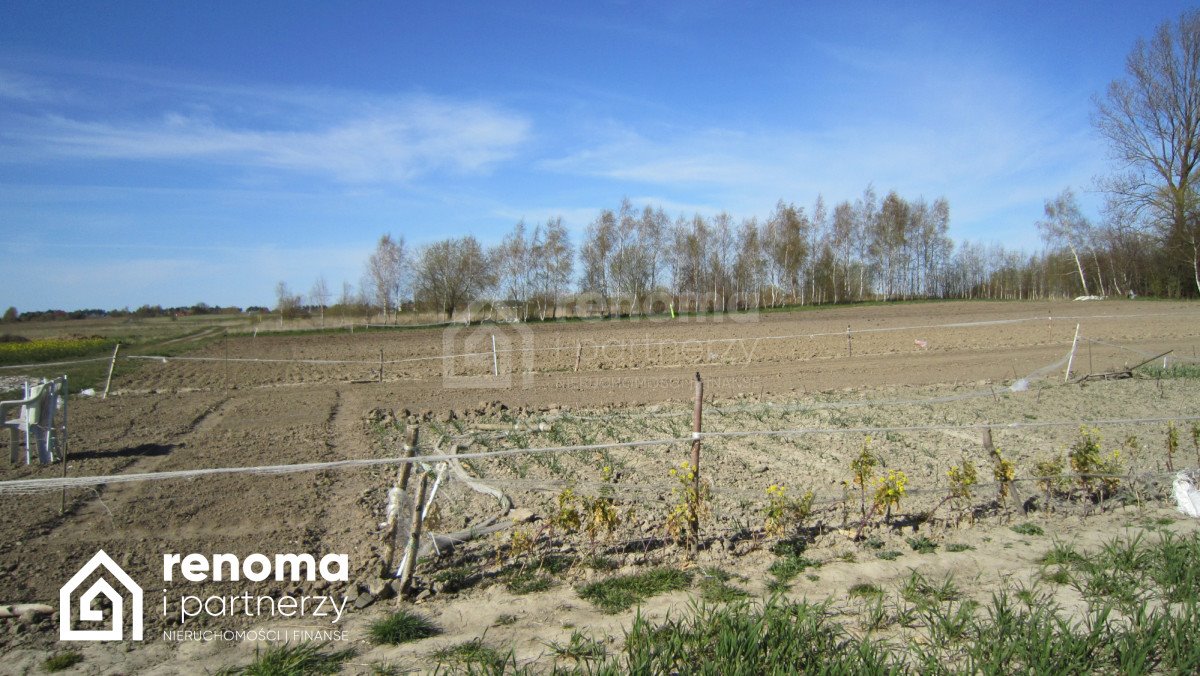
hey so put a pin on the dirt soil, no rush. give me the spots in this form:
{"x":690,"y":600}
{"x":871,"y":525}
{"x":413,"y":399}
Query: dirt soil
{"x":268,"y":400}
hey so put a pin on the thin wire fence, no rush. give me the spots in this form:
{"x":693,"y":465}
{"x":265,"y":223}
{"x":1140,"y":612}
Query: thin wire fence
{"x":25,"y":486}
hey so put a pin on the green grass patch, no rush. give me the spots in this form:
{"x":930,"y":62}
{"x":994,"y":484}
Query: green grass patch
{"x":1059,"y":575}
{"x":958,"y":547}
{"x":1028,"y":528}
{"x":865,"y":590}
{"x":579,"y":648}
{"x":401,"y":627}
{"x":921,"y":591}
{"x":529,"y":582}
{"x":456,"y":578}
{"x":1190,"y":371}
{"x":715,"y":587}
{"x":473,"y":655}
{"x":620,"y":593}
{"x":889,"y":555}
{"x":922,"y":545}
{"x":786,"y":568}
{"x":299,"y":658}
{"x":62,"y":661}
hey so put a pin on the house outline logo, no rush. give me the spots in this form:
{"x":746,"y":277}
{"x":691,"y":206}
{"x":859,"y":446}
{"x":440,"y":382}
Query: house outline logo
{"x":89,"y":614}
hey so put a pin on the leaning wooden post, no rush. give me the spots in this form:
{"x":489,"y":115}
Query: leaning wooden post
{"x":414,"y":537}
{"x":381,"y":364}
{"x":578,"y":354}
{"x":395,"y":494}
{"x":849,"y":342}
{"x":111,"y":365}
{"x":694,"y":516}
{"x":1071,"y":358}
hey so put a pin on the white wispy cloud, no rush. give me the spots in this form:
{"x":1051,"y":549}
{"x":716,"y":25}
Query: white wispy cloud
{"x":18,"y":87}
{"x":375,"y":143}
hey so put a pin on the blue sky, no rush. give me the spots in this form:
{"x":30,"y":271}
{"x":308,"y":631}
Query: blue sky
{"x":172,"y":153}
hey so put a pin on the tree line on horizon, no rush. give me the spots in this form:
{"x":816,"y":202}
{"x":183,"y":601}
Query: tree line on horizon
{"x":637,"y":261}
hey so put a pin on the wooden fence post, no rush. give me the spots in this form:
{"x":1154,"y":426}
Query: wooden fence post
{"x":694,"y":516}
{"x":395,"y":495}
{"x":578,"y":354}
{"x":381,"y":364}
{"x":849,"y":342}
{"x":111,"y":365}
{"x":414,"y":537}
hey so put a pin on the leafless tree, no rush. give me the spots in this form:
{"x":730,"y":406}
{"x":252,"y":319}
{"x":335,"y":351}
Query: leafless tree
{"x":515,"y":262}
{"x":452,"y":273}
{"x":319,"y":295}
{"x":385,"y":270}
{"x":554,"y":260}
{"x":1065,"y":225}
{"x":598,"y":242}
{"x":1151,"y":120}
{"x":287,"y":303}
{"x":749,"y":266}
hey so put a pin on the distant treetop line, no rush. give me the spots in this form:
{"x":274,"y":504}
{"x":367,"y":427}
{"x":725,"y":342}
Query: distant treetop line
{"x":634,"y":261}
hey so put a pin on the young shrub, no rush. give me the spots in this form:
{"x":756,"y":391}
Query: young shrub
{"x":1049,"y":476}
{"x":520,"y":544}
{"x":785,"y":514}
{"x":691,"y":505}
{"x":962,"y":479}
{"x":1196,"y":441}
{"x":1003,"y":472}
{"x":600,"y":515}
{"x":1088,"y":460}
{"x":1172,"y":445}
{"x":862,"y":468}
{"x":888,"y":491}
{"x":567,"y":515}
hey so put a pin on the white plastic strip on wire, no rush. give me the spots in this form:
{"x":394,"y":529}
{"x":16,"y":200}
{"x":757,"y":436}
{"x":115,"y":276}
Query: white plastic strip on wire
{"x":22,"y":486}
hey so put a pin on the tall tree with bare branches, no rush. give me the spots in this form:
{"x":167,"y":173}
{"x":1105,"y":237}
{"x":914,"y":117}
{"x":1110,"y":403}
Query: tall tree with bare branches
{"x":385,"y":270}
{"x":1151,"y":120}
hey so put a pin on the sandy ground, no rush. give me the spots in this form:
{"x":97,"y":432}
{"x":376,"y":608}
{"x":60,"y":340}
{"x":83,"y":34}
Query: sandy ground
{"x":634,"y":382}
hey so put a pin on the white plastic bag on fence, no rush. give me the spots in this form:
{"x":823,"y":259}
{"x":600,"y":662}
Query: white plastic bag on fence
{"x":1186,"y":495}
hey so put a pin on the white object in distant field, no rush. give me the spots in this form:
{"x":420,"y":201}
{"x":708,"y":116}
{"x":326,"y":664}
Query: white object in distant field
{"x":1186,"y":495}
{"x":89,"y":392}
{"x":921,"y":344}
{"x":1089,"y":298}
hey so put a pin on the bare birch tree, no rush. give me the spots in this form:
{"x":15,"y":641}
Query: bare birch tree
{"x":385,"y":270}
{"x":1065,"y":225}
{"x":319,"y":296}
